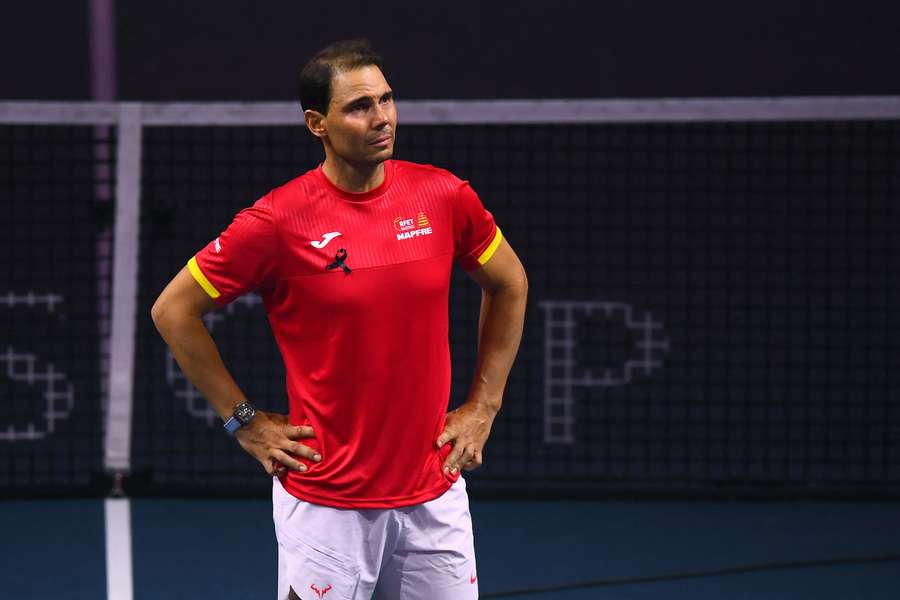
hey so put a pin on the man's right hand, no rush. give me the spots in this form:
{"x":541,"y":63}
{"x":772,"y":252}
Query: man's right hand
{"x":271,"y":440}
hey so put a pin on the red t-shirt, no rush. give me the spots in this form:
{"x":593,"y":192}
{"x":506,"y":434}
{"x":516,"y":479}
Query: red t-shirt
{"x":365,"y":342}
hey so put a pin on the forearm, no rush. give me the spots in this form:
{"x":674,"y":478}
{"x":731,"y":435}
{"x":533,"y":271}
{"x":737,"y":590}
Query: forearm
{"x":500,"y":326}
{"x":196,"y":353}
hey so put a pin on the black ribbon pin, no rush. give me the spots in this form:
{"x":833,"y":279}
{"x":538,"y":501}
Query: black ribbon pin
{"x":339,"y":259}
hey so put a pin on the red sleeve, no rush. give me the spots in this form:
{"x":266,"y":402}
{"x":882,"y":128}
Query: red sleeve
{"x":475,"y":234}
{"x":242,"y":258}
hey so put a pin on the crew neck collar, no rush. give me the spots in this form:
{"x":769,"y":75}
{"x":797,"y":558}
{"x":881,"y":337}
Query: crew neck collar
{"x":359,"y":197}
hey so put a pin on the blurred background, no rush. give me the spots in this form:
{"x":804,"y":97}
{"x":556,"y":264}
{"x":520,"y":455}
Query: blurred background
{"x":241,"y":51}
{"x":704,"y":195}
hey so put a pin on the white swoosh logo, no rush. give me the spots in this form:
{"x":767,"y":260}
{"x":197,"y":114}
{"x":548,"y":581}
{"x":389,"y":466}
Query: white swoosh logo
{"x":325,"y":239}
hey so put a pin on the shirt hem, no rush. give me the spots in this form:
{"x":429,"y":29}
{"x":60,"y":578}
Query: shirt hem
{"x":396,"y":502}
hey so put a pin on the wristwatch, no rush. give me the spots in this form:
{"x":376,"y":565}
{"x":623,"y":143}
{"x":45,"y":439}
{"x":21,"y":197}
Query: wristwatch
{"x":243,"y":414}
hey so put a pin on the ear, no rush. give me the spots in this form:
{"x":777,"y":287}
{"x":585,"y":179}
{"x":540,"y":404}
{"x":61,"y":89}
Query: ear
{"x":315,"y":122}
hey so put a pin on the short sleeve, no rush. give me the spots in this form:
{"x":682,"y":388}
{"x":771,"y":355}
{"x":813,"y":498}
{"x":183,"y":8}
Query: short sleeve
{"x":475,"y":234}
{"x":242,"y":258}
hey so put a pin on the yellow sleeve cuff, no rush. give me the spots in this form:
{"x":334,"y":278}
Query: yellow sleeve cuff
{"x":489,"y":251}
{"x":208,"y":287}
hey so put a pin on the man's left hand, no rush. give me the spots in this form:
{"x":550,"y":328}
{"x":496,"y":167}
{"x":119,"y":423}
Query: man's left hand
{"x":467,"y":428}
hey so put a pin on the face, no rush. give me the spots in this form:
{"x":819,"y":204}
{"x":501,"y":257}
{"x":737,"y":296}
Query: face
{"x":362,"y":121}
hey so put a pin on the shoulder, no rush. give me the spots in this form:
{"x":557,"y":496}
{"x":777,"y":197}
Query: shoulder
{"x":299,"y":190}
{"x":419,"y":172}
{"x":305,"y":182}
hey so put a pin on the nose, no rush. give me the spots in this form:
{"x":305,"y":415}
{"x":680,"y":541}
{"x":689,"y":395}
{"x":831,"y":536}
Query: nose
{"x":380,"y":118}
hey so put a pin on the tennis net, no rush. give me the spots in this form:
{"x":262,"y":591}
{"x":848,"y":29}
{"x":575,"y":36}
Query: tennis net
{"x":713,"y":292}
{"x":55,"y":182}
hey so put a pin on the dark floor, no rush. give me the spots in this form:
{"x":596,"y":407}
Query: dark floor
{"x":225,"y":549}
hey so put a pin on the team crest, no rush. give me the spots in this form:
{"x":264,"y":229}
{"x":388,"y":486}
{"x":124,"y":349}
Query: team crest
{"x":410,"y":227}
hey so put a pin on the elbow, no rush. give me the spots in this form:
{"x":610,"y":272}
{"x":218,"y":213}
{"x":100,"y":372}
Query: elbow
{"x":514,"y":288}
{"x":515,"y":284}
{"x":520,"y":283}
{"x":156,"y":313}
{"x":171,"y":312}
{"x":160,"y":313}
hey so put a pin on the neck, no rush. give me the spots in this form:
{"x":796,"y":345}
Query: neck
{"x":353,"y":178}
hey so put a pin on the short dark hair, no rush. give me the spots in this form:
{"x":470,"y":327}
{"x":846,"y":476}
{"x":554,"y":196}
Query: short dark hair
{"x":317,"y":74}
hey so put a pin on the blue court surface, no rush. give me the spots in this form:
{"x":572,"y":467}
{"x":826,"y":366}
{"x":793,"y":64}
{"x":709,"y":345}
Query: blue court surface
{"x":225,"y":549}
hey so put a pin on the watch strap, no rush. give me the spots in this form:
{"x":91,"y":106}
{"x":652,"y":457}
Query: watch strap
{"x":243,"y":414}
{"x":232,"y":425}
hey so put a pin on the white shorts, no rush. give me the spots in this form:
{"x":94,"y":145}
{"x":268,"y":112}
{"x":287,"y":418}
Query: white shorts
{"x":421,"y":552}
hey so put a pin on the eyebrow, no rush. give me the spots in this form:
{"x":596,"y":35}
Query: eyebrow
{"x":368,"y":99}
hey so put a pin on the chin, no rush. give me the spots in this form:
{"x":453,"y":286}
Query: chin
{"x":384,"y":154}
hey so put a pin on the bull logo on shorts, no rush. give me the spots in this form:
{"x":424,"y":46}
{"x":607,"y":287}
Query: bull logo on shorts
{"x":320,"y":593}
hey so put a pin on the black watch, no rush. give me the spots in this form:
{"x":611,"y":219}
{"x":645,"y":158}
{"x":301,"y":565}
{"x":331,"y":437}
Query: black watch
{"x":243,"y":414}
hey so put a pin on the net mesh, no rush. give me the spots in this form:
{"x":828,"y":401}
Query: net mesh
{"x":713,"y":306}
{"x":54,"y":305}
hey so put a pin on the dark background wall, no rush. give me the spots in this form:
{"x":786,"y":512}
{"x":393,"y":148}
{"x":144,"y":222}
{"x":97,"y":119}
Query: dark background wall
{"x":245,"y":50}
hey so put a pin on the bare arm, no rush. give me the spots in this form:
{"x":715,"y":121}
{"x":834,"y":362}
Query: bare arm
{"x":178,"y":315}
{"x":503,"y":299}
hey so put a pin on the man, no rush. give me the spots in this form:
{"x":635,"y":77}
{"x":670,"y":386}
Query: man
{"x":353,"y":263}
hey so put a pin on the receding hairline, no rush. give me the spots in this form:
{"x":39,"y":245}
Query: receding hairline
{"x":340,"y":71}
{"x":318,"y":75}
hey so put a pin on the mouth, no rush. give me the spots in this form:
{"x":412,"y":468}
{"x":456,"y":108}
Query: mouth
{"x":382,"y":141}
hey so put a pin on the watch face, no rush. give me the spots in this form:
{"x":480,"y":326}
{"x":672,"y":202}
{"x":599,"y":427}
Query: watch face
{"x":244,"y":412}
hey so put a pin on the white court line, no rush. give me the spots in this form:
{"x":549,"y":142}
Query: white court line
{"x":119,"y":583}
